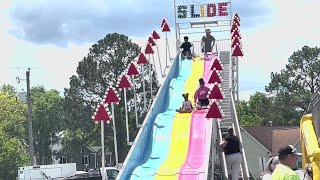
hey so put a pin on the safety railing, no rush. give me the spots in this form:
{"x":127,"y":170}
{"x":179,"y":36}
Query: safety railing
{"x":244,"y":163}
{"x":220,"y":45}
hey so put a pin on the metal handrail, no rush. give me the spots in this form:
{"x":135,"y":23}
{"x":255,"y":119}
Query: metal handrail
{"x":238,"y":132}
{"x":222,"y":155}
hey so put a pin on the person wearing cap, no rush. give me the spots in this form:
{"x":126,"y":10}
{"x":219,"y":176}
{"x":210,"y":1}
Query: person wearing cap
{"x":186,"y":46}
{"x":201,"y":95}
{"x":231,"y":146}
{"x":269,"y":168}
{"x":207,"y":42}
{"x":288,"y":159}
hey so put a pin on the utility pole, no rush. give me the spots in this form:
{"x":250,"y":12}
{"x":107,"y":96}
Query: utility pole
{"x":30,"y":119}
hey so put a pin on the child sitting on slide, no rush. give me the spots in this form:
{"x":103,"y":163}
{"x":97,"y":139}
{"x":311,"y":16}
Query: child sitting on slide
{"x":186,"y":105}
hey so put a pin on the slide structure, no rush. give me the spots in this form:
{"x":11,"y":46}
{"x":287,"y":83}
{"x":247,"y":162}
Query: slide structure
{"x":172,"y":145}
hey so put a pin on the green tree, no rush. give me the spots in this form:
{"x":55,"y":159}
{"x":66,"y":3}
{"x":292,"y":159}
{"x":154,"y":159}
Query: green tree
{"x":8,"y":88}
{"x":293,"y":87}
{"x":102,"y":67}
{"x":12,"y":135}
{"x":48,"y":121}
{"x":257,"y":111}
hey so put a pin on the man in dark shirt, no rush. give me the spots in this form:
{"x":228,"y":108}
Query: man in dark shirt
{"x":186,"y":46}
{"x":207,"y":42}
{"x":231,"y":146}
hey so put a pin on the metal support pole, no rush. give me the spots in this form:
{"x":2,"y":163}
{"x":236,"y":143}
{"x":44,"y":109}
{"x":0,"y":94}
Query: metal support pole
{"x":31,"y":151}
{"x":102,"y":153}
{"x":127,"y":121}
{"x":114,"y":136}
{"x":237,"y":65}
{"x":167,"y":50}
{"x":150,"y":70}
{"x":162,"y":72}
{"x":144,"y":89}
{"x":135,"y":100}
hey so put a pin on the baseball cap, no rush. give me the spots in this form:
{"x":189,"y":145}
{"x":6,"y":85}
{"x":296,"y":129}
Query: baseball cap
{"x":287,"y":150}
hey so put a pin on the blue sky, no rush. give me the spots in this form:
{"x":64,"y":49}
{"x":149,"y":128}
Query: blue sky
{"x":53,"y":36}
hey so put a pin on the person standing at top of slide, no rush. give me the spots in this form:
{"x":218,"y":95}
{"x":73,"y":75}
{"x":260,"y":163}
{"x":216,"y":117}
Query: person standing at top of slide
{"x":207,"y":42}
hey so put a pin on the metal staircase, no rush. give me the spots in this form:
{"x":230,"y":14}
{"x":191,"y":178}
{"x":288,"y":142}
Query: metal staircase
{"x":229,"y":119}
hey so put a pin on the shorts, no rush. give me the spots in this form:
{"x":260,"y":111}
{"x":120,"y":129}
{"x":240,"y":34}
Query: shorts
{"x":204,"y":102}
{"x":185,"y":52}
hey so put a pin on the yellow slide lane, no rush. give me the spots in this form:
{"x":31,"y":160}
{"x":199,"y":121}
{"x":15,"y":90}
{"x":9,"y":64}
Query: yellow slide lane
{"x":181,"y":129}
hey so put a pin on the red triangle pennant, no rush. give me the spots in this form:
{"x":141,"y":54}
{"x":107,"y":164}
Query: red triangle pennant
{"x":111,"y":96}
{"x":151,"y":41}
{"x":142,"y":59}
{"x":236,"y":34}
{"x":216,"y":64}
{"x":237,"y":16}
{"x":165,"y":28}
{"x":101,"y":114}
{"x":124,"y":82}
{"x":132,"y":70}
{"x":214,"y":78}
{"x":234,"y":26}
{"x":235,"y":41}
{"x":215,"y":93}
{"x":163,"y":22}
{"x":237,"y":51}
{"x":149,"y":49}
{"x":155,"y":35}
{"x":214,"y":111}
{"x":236,"y":21}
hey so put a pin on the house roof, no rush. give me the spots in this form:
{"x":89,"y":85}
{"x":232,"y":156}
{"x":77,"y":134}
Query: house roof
{"x":274,"y":137}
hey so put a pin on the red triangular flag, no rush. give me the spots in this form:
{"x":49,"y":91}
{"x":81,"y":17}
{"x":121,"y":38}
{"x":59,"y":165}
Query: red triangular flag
{"x":236,"y":21}
{"x":102,"y":114}
{"x":214,"y":78}
{"x":149,"y":49}
{"x":142,"y":59}
{"x":216,"y":64}
{"x":214,"y":111}
{"x":235,"y":41}
{"x":165,"y":28}
{"x":111,"y":97}
{"x":151,"y":41}
{"x":155,"y":35}
{"x":234,"y":26}
{"x":237,"y":16}
{"x":236,"y":34}
{"x":215,"y":93}
{"x":132,"y":70}
{"x":237,"y":51}
{"x":124,"y":82}
{"x":163,"y":22}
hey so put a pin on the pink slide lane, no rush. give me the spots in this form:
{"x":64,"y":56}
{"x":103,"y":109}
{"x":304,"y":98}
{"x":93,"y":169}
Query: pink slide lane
{"x":200,"y":134}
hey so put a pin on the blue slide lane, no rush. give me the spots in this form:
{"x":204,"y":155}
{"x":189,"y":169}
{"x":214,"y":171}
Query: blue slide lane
{"x":148,"y":156}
